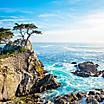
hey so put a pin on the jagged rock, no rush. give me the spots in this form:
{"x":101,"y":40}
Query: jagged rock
{"x":82,"y":74}
{"x":66,"y":99}
{"x":80,"y":95}
{"x":92,"y":100}
{"x":8,"y":83}
{"x":11,"y":72}
{"x":45,"y":83}
{"x":18,"y":74}
{"x":33,"y":99}
{"x":98,"y":98}
{"x":87,"y":69}
{"x":91,"y":97}
{"x":92,"y":93}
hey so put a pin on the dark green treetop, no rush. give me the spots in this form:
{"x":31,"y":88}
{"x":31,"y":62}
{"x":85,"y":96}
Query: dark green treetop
{"x":26,"y":30}
{"x":5,"y":35}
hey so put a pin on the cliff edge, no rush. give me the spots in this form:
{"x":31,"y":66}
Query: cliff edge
{"x":23,"y":74}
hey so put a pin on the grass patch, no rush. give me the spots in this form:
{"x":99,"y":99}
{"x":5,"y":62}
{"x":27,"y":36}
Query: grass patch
{"x":9,"y":53}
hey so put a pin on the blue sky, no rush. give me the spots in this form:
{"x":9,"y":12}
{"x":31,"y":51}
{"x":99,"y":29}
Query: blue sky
{"x":60,"y":20}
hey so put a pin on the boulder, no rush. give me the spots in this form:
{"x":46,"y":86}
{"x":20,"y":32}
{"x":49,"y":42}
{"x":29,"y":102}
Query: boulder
{"x":92,"y":93}
{"x":33,"y":99}
{"x":80,"y":95}
{"x":87,"y":69}
{"x":66,"y":99}
{"x":92,"y":100}
{"x":91,"y":97}
{"x":45,"y":83}
{"x":81,"y":74}
{"x":74,"y":63}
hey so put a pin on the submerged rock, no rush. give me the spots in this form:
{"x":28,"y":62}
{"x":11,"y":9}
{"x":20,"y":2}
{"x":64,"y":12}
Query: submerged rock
{"x":74,"y":63}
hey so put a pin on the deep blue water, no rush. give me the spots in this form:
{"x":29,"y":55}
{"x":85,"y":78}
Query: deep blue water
{"x":57,"y":58}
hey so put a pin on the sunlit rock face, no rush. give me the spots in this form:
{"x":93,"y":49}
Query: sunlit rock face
{"x":21,"y":74}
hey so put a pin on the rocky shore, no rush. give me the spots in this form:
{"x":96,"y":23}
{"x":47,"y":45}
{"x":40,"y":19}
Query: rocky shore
{"x":23,"y":79}
{"x":91,"y":97}
{"x":22,"y":76}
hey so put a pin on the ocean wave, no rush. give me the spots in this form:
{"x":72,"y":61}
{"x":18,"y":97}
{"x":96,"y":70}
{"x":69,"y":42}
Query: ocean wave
{"x":69,"y":66}
{"x":57,"y":60}
{"x":71,"y":83}
{"x":46,"y":46}
{"x":84,"y":50}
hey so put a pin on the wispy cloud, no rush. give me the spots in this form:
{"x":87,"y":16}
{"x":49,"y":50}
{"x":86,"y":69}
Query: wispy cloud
{"x":84,"y":28}
{"x":8,"y":21}
{"x":60,"y":20}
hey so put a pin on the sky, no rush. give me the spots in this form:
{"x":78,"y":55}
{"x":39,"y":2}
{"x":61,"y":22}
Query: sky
{"x":59,"y":20}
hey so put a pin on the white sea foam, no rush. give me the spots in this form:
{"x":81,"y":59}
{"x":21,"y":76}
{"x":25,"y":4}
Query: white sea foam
{"x":46,"y":46}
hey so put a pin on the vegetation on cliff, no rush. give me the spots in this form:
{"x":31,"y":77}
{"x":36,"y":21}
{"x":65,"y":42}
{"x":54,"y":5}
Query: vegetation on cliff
{"x":26,"y":30}
{"x":5,"y":35}
{"x":22,"y":74}
{"x":19,"y":45}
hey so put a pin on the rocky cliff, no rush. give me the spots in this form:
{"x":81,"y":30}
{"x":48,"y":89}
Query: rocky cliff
{"x":23,"y":74}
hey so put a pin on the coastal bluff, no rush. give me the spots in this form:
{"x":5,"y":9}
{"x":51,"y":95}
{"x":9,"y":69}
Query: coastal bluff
{"x":23,"y":74}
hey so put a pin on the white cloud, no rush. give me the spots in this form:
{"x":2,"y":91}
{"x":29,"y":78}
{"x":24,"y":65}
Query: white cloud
{"x":86,"y":28}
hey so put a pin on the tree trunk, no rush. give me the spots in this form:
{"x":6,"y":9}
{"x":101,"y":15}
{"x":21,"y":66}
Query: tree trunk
{"x":27,"y":39}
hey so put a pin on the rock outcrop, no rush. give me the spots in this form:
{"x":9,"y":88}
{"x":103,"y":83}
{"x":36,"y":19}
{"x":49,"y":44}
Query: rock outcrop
{"x":87,"y":69}
{"x":22,"y":74}
{"x":45,"y":83}
{"x":92,"y":97}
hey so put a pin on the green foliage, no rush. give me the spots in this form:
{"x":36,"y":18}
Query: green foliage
{"x":22,"y":50}
{"x":11,"y":48}
{"x":5,"y":35}
{"x":26,"y":30}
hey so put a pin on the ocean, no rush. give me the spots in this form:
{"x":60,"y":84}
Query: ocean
{"x":57,"y":59}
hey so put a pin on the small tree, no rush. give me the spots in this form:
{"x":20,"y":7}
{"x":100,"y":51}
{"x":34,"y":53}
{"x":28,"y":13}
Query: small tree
{"x":5,"y":35}
{"x":26,"y":30}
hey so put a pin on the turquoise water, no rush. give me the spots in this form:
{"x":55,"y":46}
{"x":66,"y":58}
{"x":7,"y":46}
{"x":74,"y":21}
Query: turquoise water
{"x":57,"y":58}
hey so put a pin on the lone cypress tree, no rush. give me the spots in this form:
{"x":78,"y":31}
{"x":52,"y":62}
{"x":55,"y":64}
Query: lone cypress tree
{"x":26,"y":30}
